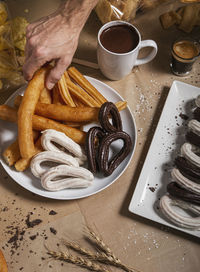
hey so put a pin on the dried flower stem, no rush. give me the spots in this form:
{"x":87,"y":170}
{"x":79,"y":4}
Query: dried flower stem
{"x":78,"y":261}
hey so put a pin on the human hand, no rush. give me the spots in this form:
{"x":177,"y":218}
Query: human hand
{"x":54,"y":37}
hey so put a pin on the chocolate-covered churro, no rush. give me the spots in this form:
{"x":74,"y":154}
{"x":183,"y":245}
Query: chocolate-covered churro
{"x":98,"y":151}
{"x":92,"y":146}
{"x":108,"y":109}
{"x":106,"y":166}
{"x":176,"y":191}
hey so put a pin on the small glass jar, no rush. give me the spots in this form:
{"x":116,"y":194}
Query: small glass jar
{"x":184,"y":54}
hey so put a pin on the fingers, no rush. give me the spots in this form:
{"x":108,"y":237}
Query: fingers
{"x":31,"y":66}
{"x":56,"y":72}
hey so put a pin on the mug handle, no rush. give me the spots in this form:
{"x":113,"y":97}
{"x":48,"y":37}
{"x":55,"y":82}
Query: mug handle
{"x":152,"y":54}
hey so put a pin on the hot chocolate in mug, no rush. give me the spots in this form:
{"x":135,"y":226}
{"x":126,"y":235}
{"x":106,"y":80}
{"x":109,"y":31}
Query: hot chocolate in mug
{"x":119,"y":43}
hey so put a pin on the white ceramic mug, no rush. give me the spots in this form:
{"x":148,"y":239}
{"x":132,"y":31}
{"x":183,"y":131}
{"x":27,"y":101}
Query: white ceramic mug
{"x":117,"y":65}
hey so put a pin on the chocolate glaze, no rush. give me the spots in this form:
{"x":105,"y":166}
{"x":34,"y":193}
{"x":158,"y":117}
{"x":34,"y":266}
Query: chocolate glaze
{"x":193,"y":138}
{"x":107,"y":167}
{"x":92,"y":146}
{"x":196,"y":114}
{"x":176,"y":191}
{"x":108,"y":109}
{"x":188,"y":169}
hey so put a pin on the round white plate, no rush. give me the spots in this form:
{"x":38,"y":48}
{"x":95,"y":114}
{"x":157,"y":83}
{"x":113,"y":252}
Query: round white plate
{"x":27,"y":180}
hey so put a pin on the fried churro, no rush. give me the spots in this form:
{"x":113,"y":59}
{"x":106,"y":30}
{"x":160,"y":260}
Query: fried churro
{"x":64,"y":92}
{"x":41,"y":123}
{"x":86,"y":85}
{"x":45,"y":96}
{"x":26,"y":111}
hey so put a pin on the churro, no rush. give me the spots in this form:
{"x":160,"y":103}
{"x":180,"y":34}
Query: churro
{"x":50,"y":137}
{"x":50,"y":156}
{"x":23,"y":163}
{"x":8,"y":113}
{"x":60,"y":112}
{"x":12,"y":154}
{"x":45,"y":96}
{"x":3,"y":264}
{"x":86,"y":85}
{"x":41,"y":123}
{"x":167,"y":207}
{"x":64,"y":92}
{"x":67,"y":113}
{"x":26,"y":111}
{"x":78,"y":177}
{"x":81,"y":95}
{"x":56,"y":97}
{"x":108,"y":109}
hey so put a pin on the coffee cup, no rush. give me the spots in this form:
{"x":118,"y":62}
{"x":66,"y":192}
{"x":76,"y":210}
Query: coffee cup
{"x":185,"y":52}
{"x":119,"y":43}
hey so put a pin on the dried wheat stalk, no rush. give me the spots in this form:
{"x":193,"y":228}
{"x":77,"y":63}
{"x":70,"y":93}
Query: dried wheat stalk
{"x":100,"y":256}
{"x":102,"y":245}
{"x":77,"y":260}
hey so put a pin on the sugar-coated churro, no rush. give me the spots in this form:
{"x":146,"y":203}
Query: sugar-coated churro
{"x":26,"y":111}
{"x":50,"y":137}
{"x":167,"y":205}
{"x":53,"y":156}
{"x":78,"y":177}
{"x":86,"y":85}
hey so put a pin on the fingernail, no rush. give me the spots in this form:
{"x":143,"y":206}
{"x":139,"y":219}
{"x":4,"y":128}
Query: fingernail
{"x":49,"y":85}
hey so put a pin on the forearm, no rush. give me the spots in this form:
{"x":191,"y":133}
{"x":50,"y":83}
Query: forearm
{"x":76,"y":12}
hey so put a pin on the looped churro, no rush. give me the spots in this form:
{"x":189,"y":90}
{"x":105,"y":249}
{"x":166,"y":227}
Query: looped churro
{"x":176,"y":191}
{"x":93,"y":133}
{"x":73,"y":177}
{"x":50,"y":136}
{"x":53,"y":156}
{"x":108,"y":109}
{"x":188,"y":151}
{"x":107,"y":167}
{"x":197,"y":101}
{"x":194,"y":126}
{"x":167,"y":204}
{"x":185,"y":182}
{"x":187,"y":168}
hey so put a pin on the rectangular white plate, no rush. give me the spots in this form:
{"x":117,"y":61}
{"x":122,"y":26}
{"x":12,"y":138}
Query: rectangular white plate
{"x":165,"y":146}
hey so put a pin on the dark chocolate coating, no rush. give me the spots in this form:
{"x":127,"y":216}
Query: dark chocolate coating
{"x":196,"y":114}
{"x":107,"y":167}
{"x":176,"y":191}
{"x":107,"y":110}
{"x":193,"y":138}
{"x":188,"y":169}
{"x":91,"y":145}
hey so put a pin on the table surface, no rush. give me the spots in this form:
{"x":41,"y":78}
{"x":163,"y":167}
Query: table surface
{"x":140,"y":243}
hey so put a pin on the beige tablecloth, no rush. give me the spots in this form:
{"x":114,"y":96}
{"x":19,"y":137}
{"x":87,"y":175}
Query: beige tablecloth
{"x":140,"y":243}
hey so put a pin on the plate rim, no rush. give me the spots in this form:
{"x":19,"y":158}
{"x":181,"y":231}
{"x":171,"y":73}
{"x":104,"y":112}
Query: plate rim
{"x":4,"y":165}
